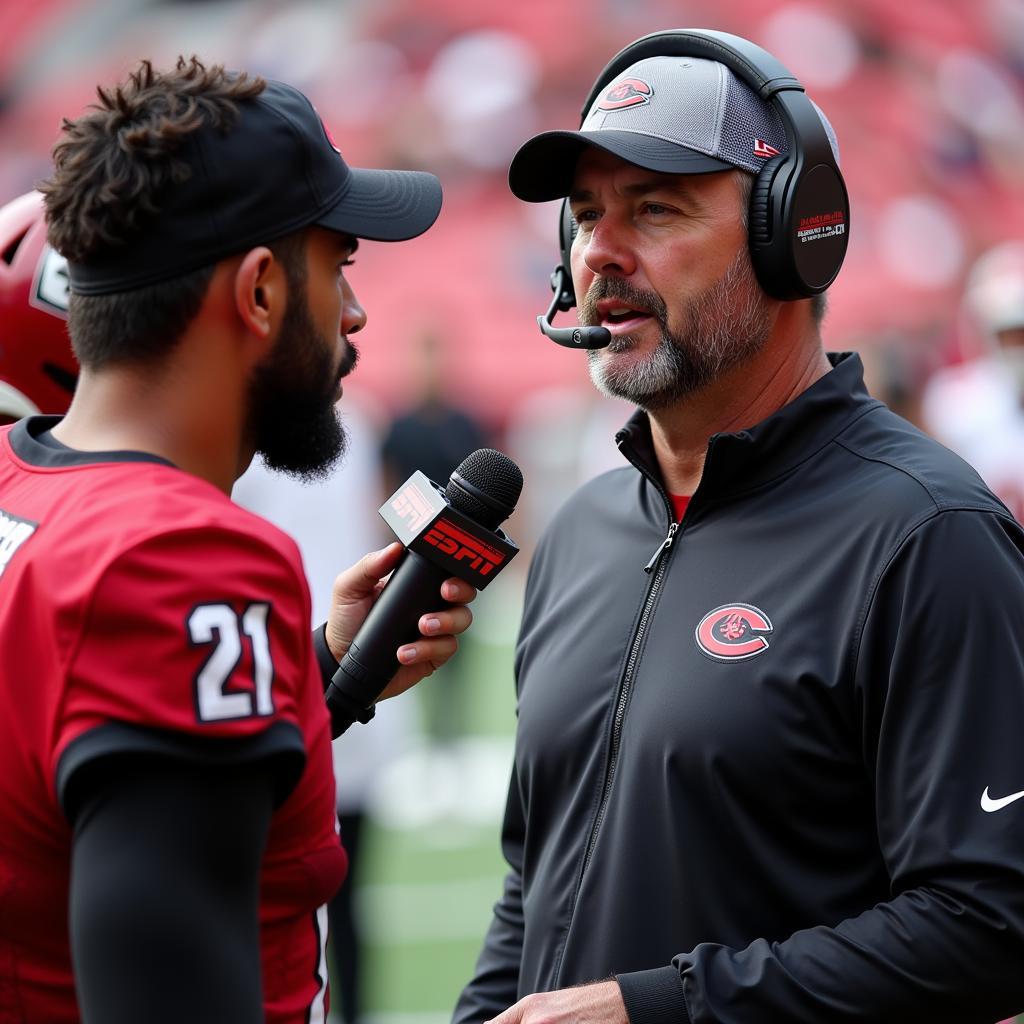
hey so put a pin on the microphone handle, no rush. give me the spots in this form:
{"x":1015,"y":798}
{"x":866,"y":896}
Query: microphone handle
{"x":370,"y":663}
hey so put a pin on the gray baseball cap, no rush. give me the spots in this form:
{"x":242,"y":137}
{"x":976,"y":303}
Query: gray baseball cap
{"x":677,"y":115}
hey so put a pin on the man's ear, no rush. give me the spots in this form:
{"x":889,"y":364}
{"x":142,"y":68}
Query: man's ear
{"x":260,"y":293}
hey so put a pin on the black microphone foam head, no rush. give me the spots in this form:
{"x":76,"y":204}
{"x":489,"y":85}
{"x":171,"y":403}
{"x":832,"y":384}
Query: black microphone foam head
{"x":485,"y":486}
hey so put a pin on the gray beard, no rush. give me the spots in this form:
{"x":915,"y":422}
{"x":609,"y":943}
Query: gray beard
{"x":725,"y":325}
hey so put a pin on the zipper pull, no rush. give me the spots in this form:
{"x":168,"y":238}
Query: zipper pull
{"x":663,"y":546}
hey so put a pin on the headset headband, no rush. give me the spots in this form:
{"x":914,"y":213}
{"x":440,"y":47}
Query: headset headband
{"x":756,"y":67}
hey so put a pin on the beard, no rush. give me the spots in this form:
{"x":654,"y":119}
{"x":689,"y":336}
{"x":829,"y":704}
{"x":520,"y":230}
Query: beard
{"x":724,"y":325}
{"x":293,"y":420}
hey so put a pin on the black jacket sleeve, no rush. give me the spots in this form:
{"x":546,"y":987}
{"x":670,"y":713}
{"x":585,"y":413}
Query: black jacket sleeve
{"x":495,"y":981}
{"x":939,"y":681}
{"x":164,"y":901}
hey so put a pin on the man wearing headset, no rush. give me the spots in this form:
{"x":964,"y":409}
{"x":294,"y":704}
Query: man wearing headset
{"x":168,"y":839}
{"x":770,"y":673}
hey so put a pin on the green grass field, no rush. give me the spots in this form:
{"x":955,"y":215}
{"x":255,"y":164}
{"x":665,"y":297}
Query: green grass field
{"x":423,"y":933}
{"x":426,"y":890}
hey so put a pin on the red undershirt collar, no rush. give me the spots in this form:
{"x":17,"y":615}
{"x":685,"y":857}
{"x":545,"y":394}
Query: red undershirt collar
{"x":679,"y":503}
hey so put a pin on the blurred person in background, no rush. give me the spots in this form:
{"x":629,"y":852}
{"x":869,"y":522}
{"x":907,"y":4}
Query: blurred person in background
{"x":331,"y":530}
{"x":168,"y":840}
{"x":770,"y":675}
{"x":560,"y":436}
{"x":433,"y":434}
{"x":977,"y":407}
{"x":896,"y":369}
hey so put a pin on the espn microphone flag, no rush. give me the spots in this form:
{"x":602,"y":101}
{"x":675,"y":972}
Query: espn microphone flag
{"x":454,"y":532}
{"x":421,"y":518}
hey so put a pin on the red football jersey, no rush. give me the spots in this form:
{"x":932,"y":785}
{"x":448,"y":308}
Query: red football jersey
{"x":132,"y":592}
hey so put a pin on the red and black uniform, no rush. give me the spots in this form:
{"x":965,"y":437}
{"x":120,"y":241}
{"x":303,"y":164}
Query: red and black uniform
{"x":146,"y":620}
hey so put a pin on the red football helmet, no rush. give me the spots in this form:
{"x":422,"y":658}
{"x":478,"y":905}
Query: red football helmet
{"x":37,"y":368}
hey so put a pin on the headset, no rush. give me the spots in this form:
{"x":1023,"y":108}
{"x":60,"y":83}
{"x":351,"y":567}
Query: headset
{"x":798,"y":224}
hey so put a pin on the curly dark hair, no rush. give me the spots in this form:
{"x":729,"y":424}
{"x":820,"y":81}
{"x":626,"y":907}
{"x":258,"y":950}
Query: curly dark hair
{"x":112,"y":164}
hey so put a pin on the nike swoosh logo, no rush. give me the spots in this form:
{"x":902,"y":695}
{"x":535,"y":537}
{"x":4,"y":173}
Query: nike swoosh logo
{"x":988,"y":804}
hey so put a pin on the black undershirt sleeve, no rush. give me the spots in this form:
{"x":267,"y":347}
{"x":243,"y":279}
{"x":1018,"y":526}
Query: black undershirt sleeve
{"x":343,"y":709}
{"x":164,"y":901}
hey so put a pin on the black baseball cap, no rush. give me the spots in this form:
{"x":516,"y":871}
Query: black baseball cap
{"x":273,"y":171}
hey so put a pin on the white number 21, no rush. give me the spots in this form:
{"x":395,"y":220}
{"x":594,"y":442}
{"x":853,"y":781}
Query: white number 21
{"x":220,"y":624}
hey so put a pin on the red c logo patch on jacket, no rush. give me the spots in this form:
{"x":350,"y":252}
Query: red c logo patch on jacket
{"x":732,"y":632}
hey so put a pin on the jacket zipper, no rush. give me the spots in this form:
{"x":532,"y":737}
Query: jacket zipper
{"x":624,"y":694}
{"x":625,"y":690}
{"x":663,"y":546}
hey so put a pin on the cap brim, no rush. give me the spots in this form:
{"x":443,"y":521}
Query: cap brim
{"x":386,"y":206}
{"x":544,"y":167}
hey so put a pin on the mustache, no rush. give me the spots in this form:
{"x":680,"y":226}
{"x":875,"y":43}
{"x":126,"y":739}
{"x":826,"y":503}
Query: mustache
{"x":624,"y":292}
{"x":349,"y":359}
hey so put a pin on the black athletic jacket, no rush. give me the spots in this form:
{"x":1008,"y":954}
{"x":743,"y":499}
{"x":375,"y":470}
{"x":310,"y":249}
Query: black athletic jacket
{"x":774,"y":778}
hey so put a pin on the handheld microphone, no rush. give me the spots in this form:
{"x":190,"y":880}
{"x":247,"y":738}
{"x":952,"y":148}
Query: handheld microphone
{"x":569,"y":337}
{"x":449,"y":533}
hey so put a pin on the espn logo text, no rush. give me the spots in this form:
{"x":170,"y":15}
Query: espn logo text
{"x":13,"y":533}
{"x":461,"y":546}
{"x":412,"y":505}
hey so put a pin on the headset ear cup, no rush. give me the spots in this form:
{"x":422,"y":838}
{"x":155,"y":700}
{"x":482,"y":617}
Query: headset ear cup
{"x":788,"y":197}
{"x":815,"y":230}
{"x":763,"y":233}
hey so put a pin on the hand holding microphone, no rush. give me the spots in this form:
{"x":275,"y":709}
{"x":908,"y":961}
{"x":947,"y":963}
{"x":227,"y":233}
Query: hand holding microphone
{"x":450,"y":538}
{"x":354,"y":593}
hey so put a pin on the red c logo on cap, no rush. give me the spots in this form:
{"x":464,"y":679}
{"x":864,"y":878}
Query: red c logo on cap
{"x":626,"y":93}
{"x":732,"y":632}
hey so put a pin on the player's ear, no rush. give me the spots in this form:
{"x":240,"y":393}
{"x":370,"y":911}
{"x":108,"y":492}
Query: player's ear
{"x":260,"y":292}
